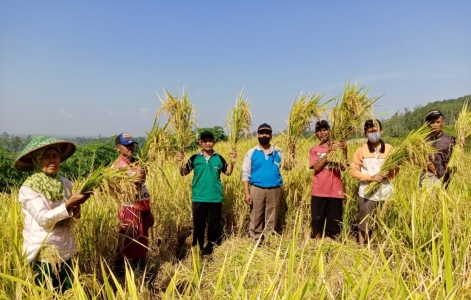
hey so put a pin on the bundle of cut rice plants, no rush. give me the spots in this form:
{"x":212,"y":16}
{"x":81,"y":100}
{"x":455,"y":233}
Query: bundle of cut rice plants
{"x":463,"y":131}
{"x":463,"y":125}
{"x":181,"y":117}
{"x":238,"y":121}
{"x":159,"y":142}
{"x":348,"y":115}
{"x":414,"y":149}
{"x":305,"y":109}
{"x":104,"y":175}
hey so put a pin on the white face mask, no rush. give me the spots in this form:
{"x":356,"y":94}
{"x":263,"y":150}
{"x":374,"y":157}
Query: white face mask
{"x":374,"y":137}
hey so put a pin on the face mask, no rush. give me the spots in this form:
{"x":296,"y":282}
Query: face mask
{"x":264,"y":140}
{"x":374,"y":137}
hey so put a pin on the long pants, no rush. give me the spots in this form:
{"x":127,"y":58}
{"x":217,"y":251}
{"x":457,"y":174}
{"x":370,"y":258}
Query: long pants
{"x":60,"y":282}
{"x":133,"y":239}
{"x":428,"y":179}
{"x":264,"y":210}
{"x":207,"y":212}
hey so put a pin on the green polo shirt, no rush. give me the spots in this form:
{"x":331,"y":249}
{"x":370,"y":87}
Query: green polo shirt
{"x":206,"y":185}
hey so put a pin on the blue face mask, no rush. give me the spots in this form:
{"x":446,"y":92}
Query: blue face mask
{"x":374,"y":137}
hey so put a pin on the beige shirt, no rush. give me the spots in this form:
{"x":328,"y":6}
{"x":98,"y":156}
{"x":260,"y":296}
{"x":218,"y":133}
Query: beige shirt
{"x":366,"y":164}
{"x":41,"y":216}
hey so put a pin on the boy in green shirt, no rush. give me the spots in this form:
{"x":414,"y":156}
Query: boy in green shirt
{"x":206,"y":190}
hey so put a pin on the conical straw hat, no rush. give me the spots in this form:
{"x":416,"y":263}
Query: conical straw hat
{"x":24,"y":162}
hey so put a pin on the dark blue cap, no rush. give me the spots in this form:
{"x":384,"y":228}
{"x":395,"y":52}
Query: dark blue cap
{"x":264,"y":126}
{"x":125,"y":139}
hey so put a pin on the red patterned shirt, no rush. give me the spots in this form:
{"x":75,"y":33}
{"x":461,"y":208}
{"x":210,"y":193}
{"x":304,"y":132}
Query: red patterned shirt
{"x":142,"y":200}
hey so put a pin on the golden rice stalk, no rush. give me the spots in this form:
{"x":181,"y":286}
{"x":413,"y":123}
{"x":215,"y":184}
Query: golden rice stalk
{"x":347,"y":116}
{"x":50,"y":254}
{"x":463,"y":125}
{"x":414,"y":149}
{"x":238,"y":121}
{"x":158,"y":143}
{"x":181,"y":117}
{"x":305,"y":109}
{"x":463,"y":131}
{"x":122,"y":190}
{"x":104,"y":175}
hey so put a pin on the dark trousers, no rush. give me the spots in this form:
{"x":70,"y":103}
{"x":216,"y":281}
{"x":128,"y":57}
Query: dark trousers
{"x":329,"y":211}
{"x":206,"y":212}
{"x":61,"y":282}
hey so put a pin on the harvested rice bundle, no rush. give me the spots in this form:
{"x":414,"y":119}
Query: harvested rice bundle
{"x":463,"y":126}
{"x":303,"y":113}
{"x":238,"y":121}
{"x":181,"y":117}
{"x":463,"y":131}
{"x":106,"y":176}
{"x":414,"y":149}
{"x":159,"y":142}
{"x":347,"y":116}
{"x":123,"y":190}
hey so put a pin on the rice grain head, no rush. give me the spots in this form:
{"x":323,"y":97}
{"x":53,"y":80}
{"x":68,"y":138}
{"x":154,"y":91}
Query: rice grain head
{"x":238,"y":121}
{"x":181,"y":117}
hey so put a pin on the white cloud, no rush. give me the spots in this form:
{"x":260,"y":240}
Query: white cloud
{"x":108,"y":112}
{"x":144,"y":112}
{"x":66,"y":113}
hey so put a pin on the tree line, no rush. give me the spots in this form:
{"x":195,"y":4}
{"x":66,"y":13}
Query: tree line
{"x":91,"y":153}
{"x":95,"y":151}
{"x":401,"y":123}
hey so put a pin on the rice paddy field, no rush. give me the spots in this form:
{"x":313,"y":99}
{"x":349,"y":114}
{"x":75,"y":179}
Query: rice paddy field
{"x":421,"y":247}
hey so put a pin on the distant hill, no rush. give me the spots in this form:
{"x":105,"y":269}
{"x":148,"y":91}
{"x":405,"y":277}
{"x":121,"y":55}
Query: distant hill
{"x":401,"y":123}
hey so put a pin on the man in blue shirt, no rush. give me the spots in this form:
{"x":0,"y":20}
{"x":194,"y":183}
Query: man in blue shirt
{"x":262,"y":182}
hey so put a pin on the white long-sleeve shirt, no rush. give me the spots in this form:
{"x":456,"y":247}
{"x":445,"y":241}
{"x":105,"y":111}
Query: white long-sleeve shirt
{"x":41,"y":216}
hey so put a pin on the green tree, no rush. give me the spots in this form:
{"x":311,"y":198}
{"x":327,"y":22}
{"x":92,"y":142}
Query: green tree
{"x":217,"y":131}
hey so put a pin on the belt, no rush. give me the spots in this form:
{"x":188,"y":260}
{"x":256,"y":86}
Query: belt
{"x":266,"y":188}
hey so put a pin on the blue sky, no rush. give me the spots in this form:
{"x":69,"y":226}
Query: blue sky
{"x":92,"y":67}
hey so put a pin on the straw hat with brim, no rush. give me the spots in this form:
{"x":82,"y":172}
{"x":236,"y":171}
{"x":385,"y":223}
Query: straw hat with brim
{"x":24,"y":162}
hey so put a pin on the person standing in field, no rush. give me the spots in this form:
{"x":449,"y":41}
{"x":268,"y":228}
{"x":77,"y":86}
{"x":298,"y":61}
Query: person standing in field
{"x":262,"y":182}
{"x":327,"y":188}
{"x":206,"y":191}
{"x":48,"y":205}
{"x":365,"y":167}
{"x":135,"y":216}
{"x":437,"y":165}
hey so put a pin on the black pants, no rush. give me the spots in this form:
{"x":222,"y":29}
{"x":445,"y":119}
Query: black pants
{"x":329,"y":210}
{"x":206,"y":212}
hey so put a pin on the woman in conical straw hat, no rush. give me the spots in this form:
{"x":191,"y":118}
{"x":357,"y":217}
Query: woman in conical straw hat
{"x":48,"y":204}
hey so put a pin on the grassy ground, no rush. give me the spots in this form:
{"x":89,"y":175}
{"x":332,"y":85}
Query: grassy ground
{"x":420,"y":248}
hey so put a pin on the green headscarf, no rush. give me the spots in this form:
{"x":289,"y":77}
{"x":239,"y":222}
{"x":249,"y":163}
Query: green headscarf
{"x":48,"y":185}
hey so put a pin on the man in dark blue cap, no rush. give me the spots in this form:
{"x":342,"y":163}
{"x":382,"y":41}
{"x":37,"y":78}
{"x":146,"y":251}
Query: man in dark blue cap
{"x":134,"y":215}
{"x":262,"y":182}
{"x":436,"y":172}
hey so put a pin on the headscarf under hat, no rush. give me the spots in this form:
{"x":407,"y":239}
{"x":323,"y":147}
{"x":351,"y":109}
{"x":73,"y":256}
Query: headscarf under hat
{"x":51,"y":186}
